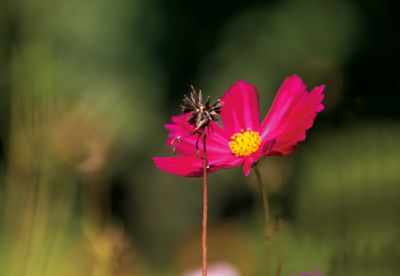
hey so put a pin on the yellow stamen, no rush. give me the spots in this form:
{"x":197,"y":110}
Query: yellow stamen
{"x":245,"y":143}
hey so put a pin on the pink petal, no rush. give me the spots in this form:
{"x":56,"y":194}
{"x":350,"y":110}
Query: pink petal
{"x":247,"y":167}
{"x":181,"y":165}
{"x":224,"y":160}
{"x":240,"y":109}
{"x":265,"y":149}
{"x":291,"y":115}
{"x":184,"y":142}
{"x":192,"y":166}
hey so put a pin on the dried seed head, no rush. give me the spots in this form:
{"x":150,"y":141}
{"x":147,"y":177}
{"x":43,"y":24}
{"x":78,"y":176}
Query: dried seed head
{"x":202,"y":113}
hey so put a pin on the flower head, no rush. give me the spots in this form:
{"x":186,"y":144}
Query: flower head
{"x":201,"y":113}
{"x":243,"y":139}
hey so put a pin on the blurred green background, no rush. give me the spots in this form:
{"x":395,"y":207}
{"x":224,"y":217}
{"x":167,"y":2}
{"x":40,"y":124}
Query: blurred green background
{"x":87,"y":86}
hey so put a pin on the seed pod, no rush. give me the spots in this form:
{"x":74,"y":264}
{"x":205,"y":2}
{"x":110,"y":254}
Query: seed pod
{"x":202,"y":113}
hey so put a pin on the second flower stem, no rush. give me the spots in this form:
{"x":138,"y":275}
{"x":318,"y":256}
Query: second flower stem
{"x":205,"y":200}
{"x":267,"y":219}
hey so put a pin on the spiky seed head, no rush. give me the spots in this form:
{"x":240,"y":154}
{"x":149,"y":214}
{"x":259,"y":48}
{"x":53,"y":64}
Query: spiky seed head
{"x":202,"y":113}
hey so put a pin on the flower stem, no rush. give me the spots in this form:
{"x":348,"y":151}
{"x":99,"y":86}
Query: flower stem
{"x":205,"y":199}
{"x":267,"y":219}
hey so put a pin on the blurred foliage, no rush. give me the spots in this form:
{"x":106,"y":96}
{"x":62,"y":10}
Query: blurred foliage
{"x":86,"y":86}
{"x":356,"y":190}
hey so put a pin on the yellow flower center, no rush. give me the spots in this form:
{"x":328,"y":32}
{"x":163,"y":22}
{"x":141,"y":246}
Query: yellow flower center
{"x":245,"y":143}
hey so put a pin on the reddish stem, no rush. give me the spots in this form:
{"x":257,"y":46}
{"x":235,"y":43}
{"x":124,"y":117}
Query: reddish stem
{"x":204,"y":233}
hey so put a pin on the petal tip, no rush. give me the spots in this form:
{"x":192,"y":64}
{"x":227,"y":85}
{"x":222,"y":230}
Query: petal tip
{"x":247,"y":167}
{"x":243,"y":84}
{"x":294,"y":78}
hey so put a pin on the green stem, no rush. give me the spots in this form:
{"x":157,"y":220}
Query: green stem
{"x":267,"y":219}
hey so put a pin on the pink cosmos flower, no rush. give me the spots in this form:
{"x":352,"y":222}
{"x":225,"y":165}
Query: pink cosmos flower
{"x":243,"y":139}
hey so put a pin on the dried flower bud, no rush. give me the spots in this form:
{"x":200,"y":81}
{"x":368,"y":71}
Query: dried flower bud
{"x":202,"y":113}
